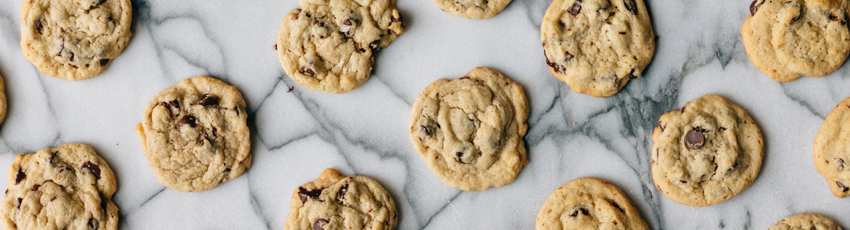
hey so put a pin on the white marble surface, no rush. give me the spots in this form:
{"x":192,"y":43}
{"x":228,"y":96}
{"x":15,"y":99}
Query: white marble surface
{"x":298,"y":134}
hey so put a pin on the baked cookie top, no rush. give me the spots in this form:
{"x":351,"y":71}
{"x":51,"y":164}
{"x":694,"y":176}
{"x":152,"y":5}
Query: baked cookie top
{"x":472,"y":9}
{"x":195,"y":135}
{"x":74,"y":40}
{"x":789,"y":38}
{"x":706,"y":153}
{"x":469,"y":130}
{"x":596,"y":46}
{"x":67,"y":187}
{"x":589,"y":203}
{"x":831,"y":150}
{"x":2,"y":100}
{"x":328,"y":45}
{"x":337,"y":202}
{"x":805,"y":221}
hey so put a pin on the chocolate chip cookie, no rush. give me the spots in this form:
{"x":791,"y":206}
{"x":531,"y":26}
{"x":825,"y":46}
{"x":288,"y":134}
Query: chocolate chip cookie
{"x":786,"y":39}
{"x":805,"y":221}
{"x":469,"y":130}
{"x":67,"y":187}
{"x":337,"y":202}
{"x":74,"y":40}
{"x":328,"y":45}
{"x":195,"y":135}
{"x":2,"y":100}
{"x":706,"y":153}
{"x":472,"y":9}
{"x":831,"y":151}
{"x":596,"y":46}
{"x":589,"y":203}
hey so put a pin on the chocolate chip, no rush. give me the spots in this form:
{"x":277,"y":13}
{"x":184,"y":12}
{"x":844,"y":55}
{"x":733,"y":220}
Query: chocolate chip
{"x":623,"y":32}
{"x":290,"y":89}
{"x":306,"y":71}
{"x":35,"y":187}
{"x":208,"y":100}
{"x":843,"y":188}
{"x":94,"y":168}
{"x":583,"y":211}
{"x":214,"y":132}
{"x":92,"y":223}
{"x":576,"y":8}
{"x":53,"y":198}
{"x":694,"y":139}
{"x":832,"y":17}
{"x":275,"y":46}
{"x":840,"y":164}
{"x":39,"y":26}
{"x":555,"y":66}
{"x":425,"y":130}
{"x":304,"y":194}
{"x":754,"y":7}
{"x":347,"y":22}
{"x":21,"y":176}
{"x":568,"y":57}
{"x":632,"y":74}
{"x":174,"y":104}
{"x":103,"y":203}
{"x":341,"y":193}
{"x":683,"y":181}
{"x":394,"y":19}
{"x":459,"y":157}
{"x":237,"y":110}
{"x":104,"y":61}
{"x":226,"y":172}
{"x":320,"y":224}
{"x":52,"y":156}
{"x":617,"y":206}
{"x":72,"y":55}
{"x":374,"y":44}
{"x":188,"y":119}
{"x":20,"y":200}
{"x":793,"y":20}
{"x":631,"y":7}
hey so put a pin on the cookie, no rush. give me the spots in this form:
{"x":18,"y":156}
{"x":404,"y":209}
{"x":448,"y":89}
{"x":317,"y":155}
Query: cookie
{"x":337,"y":202}
{"x":195,"y":135}
{"x":706,"y":153}
{"x":786,"y":39}
{"x":589,"y":203}
{"x":831,"y":151}
{"x":472,"y":9}
{"x":328,"y":45}
{"x":2,"y":100}
{"x":469,"y":130}
{"x":596,"y":46}
{"x":805,"y":221}
{"x":74,"y":40}
{"x":67,"y":187}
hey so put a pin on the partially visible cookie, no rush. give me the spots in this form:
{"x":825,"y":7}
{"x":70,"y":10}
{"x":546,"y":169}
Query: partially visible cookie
{"x":328,"y":45}
{"x":831,"y":150}
{"x":469,"y":130}
{"x":706,"y":153}
{"x":67,"y":187}
{"x":195,"y":134}
{"x":786,"y":39}
{"x":74,"y":40}
{"x":805,"y":221}
{"x":2,"y":100}
{"x":472,"y":9}
{"x":589,"y":203}
{"x":337,"y":202}
{"x":596,"y":46}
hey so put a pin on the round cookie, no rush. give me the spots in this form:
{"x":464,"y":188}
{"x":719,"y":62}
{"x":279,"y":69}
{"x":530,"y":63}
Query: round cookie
{"x":596,"y":46}
{"x":805,"y":221}
{"x":469,"y":130}
{"x":831,"y":152}
{"x":786,"y":39}
{"x":472,"y":9}
{"x":337,"y":202}
{"x":706,"y":153}
{"x":74,"y":40}
{"x":589,"y":203}
{"x":195,"y":135}
{"x":328,"y":45}
{"x":67,"y":187}
{"x":2,"y":100}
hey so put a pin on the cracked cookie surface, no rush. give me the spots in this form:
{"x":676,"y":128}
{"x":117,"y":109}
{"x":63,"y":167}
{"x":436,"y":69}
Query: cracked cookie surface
{"x":589,"y":203}
{"x":706,"y":153}
{"x":195,"y":135}
{"x":790,"y":38}
{"x":831,"y":150}
{"x":805,"y":221}
{"x":74,"y":40}
{"x":469,"y":130}
{"x":337,"y":202}
{"x":67,"y":187}
{"x":329,"y":45}
{"x":597,"y":46}
{"x":472,"y":9}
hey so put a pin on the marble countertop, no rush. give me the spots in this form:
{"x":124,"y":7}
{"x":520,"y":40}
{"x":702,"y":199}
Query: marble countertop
{"x":296,"y":135}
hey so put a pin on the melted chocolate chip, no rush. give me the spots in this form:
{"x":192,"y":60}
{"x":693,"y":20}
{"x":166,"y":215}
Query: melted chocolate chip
{"x":568,"y":57}
{"x":632,"y":74}
{"x":35,"y":187}
{"x":425,"y":130}
{"x":754,"y":7}
{"x":583,"y":211}
{"x":459,"y":157}
{"x":576,"y":8}
{"x":306,"y":71}
{"x":842,"y":186}
{"x":832,"y":17}
{"x":631,"y":7}
{"x":320,"y":224}
{"x":21,"y":176}
{"x":174,"y":104}
{"x":683,"y":181}
{"x":72,"y":55}
{"x":694,"y":139}
{"x":39,"y":26}
{"x":226,"y":172}
{"x":618,"y":207}
{"x":341,"y":193}
{"x":94,"y":168}
{"x":52,"y":156}
{"x":304,"y":194}
{"x":20,"y":200}
{"x":53,"y":198}
{"x":188,"y":119}
{"x":104,"y":61}
{"x":840,"y":164}
{"x":208,"y":100}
